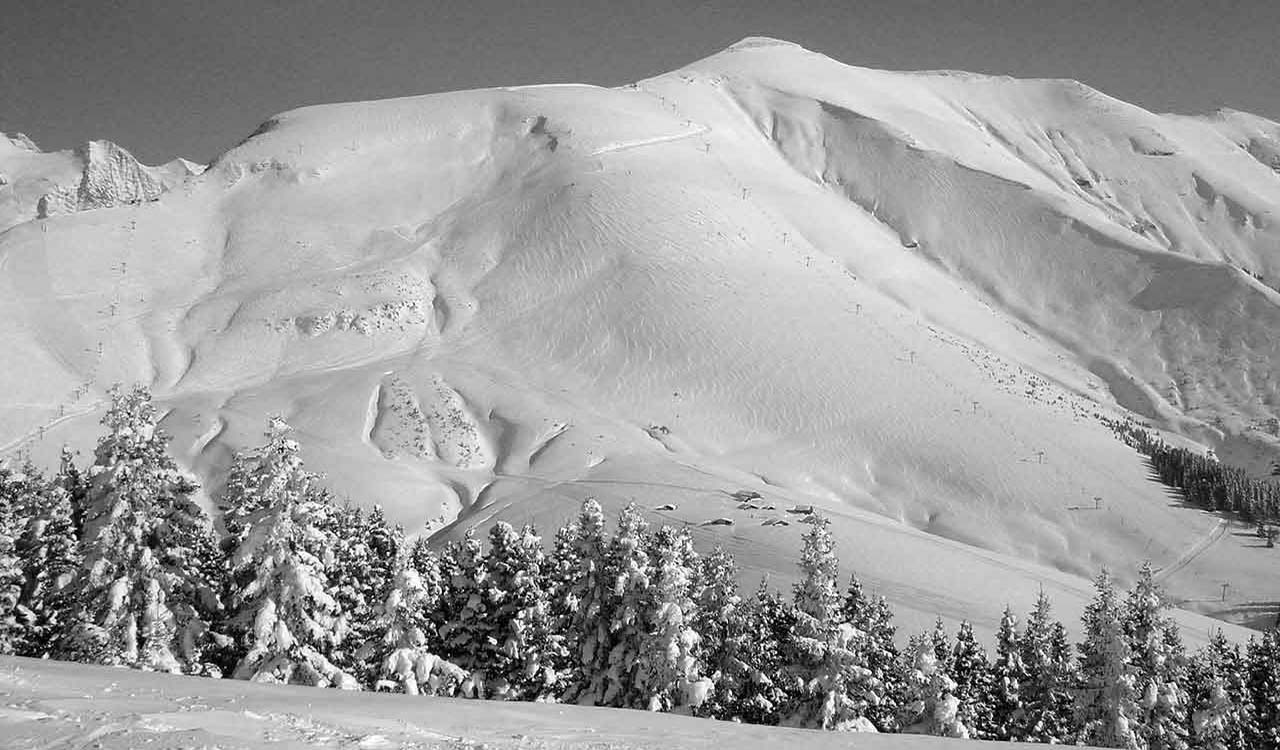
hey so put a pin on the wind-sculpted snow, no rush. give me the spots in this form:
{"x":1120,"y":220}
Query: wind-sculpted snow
{"x":902,"y":297}
{"x":52,"y":704}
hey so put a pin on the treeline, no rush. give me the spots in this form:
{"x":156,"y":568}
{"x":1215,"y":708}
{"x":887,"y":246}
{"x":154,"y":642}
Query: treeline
{"x":1204,"y":481}
{"x":115,"y":564}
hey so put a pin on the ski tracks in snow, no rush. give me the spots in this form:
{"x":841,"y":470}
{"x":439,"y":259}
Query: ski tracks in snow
{"x":627,"y":145}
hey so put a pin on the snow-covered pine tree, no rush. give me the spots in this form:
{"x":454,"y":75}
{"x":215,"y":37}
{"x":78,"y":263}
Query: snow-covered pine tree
{"x":284,"y":618}
{"x":520,"y":663}
{"x":359,"y":552}
{"x":721,"y":621}
{"x":466,"y":631}
{"x":12,"y":580}
{"x":670,"y":669}
{"x":1263,"y":669}
{"x":1159,"y":664}
{"x":1008,"y":674}
{"x":137,"y":600}
{"x":768,"y":621}
{"x":942,"y":645}
{"x":580,"y":603}
{"x":628,"y":572}
{"x":1047,"y":656}
{"x":405,"y":629}
{"x":877,"y":651}
{"x":1106,"y":704}
{"x":1220,"y":710}
{"x":827,"y":686}
{"x":76,"y":485}
{"x":930,"y":705}
{"x":49,"y":553}
{"x":972,"y":675}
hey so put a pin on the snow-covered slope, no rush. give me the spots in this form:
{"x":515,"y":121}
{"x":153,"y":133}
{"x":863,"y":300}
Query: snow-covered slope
{"x":60,"y":704}
{"x":902,"y":298}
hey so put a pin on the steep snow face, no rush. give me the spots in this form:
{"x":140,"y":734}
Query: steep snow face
{"x":901,"y":298}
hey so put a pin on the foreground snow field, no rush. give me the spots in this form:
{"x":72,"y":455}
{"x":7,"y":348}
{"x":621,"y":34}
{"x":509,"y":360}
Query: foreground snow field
{"x":45,"y":704}
{"x":901,"y":298}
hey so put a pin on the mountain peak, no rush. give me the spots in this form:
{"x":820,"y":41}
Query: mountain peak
{"x":752,"y":42}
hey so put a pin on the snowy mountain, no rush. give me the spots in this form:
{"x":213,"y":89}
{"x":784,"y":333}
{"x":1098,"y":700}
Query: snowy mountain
{"x":904,"y":298}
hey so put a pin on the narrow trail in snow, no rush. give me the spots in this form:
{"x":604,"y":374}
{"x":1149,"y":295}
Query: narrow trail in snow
{"x":627,"y":145}
{"x":1200,"y":547}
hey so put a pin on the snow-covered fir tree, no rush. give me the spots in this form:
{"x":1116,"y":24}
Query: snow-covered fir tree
{"x":1106,"y":703}
{"x":1262,"y":666}
{"x":721,"y":620}
{"x":828,"y":687}
{"x":466,"y":631}
{"x":877,"y":651}
{"x":768,"y":620}
{"x":404,"y":628}
{"x":142,"y":598}
{"x":1159,"y":665}
{"x":1008,"y":674}
{"x":360,"y":550}
{"x":41,"y":558}
{"x":1048,"y":659}
{"x":12,"y":580}
{"x":1220,"y":710}
{"x":284,"y":618}
{"x":578,"y":600}
{"x":521,"y":664}
{"x":628,"y":572}
{"x":972,"y":675}
{"x":942,"y":646}
{"x":670,"y":669}
{"x":930,"y":705}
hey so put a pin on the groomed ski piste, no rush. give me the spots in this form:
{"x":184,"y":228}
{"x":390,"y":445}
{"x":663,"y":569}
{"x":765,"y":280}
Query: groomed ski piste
{"x":905,"y":299}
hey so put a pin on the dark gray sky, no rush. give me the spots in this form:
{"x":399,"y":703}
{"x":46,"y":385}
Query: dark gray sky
{"x":192,"y":77}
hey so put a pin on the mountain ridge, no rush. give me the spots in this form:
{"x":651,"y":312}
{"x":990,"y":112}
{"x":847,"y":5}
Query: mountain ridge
{"x":903,"y":298}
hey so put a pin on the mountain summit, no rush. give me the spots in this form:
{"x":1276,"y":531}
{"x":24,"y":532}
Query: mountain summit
{"x":761,"y":283}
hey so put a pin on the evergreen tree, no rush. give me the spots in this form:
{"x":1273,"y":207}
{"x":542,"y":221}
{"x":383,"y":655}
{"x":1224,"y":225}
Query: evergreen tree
{"x":12,"y":580}
{"x":581,"y":604}
{"x":466,"y":630}
{"x":670,"y":670}
{"x":972,"y":675}
{"x":1008,"y":674}
{"x":768,"y":621}
{"x":721,"y":619}
{"x":942,"y":646}
{"x":1220,"y":707}
{"x":877,"y":652}
{"x":405,"y":660}
{"x":140,"y":595}
{"x":1159,"y":664}
{"x":828,"y":688}
{"x":284,"y":618}
{"x":521,"y":664}
{"x":1263,"y":670}
{"x":629,"y":574}
{"x":1106,"y":702}
{"x":1050,"y":668}
{"x":930,"y":705}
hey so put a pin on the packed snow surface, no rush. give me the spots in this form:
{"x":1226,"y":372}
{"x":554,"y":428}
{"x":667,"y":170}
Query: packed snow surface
{"x":47,"y":704}
{"x":900,"y":298}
